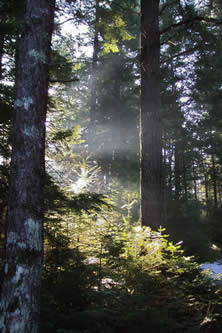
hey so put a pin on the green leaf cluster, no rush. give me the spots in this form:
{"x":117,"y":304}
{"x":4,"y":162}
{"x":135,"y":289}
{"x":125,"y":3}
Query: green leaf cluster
{"x":112,"y":32}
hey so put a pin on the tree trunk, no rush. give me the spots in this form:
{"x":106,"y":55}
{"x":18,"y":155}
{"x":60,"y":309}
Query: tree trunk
{"x":170,"y":172}
{"x":195,"y":182}
{"x":118,"y":128}
{"x":92,"y":121}
{"x":206,"y":188}
{"x":2,"y":39}
{"x":177,"y":172}
{"x":185,"y":179}
{"x":150,"y":129}
{"x":214,"y":179}
{"x":19,"y":308}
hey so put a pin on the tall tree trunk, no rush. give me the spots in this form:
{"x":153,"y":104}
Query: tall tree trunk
{"x":19,"y":308}
{"x":150,"y":130}
{"x":92,"y":120}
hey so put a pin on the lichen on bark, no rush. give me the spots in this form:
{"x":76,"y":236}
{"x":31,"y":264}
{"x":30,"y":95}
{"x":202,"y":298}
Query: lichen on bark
{"x":24,"y":102}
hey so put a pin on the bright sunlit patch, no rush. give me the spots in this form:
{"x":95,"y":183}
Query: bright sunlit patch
{"x":215,"y":247}
{"x":81,"y":31}
{"x":82,"y":181}
{"x":79,"y":185}
{"x":138,"y":229}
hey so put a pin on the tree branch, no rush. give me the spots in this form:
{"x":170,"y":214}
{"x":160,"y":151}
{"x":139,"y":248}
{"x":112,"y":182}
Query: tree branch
{"x":166,"y":5}
{"x":63,"y":81}
{"x":69,"y":63}
{"x":179,"y":55}
{"x":191,"y":20}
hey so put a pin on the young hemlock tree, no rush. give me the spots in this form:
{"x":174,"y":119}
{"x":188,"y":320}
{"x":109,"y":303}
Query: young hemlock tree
{"x":19,"y":306}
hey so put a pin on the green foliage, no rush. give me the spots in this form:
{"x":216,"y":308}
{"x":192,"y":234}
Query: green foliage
{"x":71,"y":135}
{"x":89,"y":202}
{"x":129,"y":278}
{"x":113,"y":29}
{"x":66,"y":278}
{"x":61,"y":67}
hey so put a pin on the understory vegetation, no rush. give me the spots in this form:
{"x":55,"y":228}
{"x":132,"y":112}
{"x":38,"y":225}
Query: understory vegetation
{"x":104,"y":274}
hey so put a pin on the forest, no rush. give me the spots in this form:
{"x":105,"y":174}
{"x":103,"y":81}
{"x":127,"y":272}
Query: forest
{"x":110,"y":166}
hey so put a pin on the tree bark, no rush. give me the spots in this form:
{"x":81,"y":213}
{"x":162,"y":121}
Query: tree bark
{"x":19,"y":308}
{"x":150,"y":127}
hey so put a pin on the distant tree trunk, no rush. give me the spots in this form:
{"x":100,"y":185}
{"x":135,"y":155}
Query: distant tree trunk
{"x":170,"y":172}
{"x":2,"y":39}
{"x":206,"y":188}
{"x":219,"y":193}
{"x":195,"y":182}
{"x":177,"y":172}
{"x":150,"y":130}
{"x":118,"y":128}
{"x":214,"y":179}
{"x":185,"y":179}
{"x":92,"y":121}
{"x":166,"y":186}
{"x":206,"y":185}
{"x":19,"y":307}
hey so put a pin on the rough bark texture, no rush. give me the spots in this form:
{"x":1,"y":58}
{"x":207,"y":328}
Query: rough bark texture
{"x":151,"y":155}
{"x":19,"y":308}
